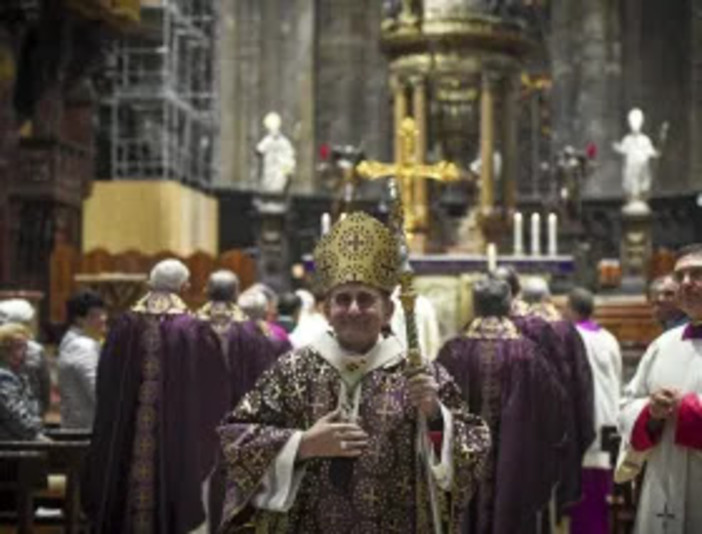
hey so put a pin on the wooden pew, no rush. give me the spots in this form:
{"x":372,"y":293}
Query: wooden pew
{"x":67,"y":434}
{"x":65,"y":458}
{"x":22,"y":474}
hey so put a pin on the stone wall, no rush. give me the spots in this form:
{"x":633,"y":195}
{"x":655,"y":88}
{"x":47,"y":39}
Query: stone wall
{"x":318,"y":64}
{"x":607,"y":57}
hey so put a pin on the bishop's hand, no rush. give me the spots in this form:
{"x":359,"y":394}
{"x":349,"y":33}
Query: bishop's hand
{"x":329,"y":437}
{"x":424,"y":394}
{"x":664,"y":403}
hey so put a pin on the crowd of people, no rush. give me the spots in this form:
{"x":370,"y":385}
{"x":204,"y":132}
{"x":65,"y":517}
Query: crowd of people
{"x":302,"y":412}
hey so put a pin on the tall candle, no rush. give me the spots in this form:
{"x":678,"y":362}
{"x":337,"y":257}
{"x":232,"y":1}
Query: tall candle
{"x":491,"y":257}
{"x":326,"y":223}
{"x":535,"y":234}
{"x":552,"y":234}
{"x":518,"y":234}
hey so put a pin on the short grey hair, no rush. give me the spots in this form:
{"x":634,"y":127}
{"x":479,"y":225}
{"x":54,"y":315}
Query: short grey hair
{"x":535,"y":290}
{"x":491,"y":297}
{"x":267,"y":291}
{"x":169,"y":276}
{"x":582,"y":302}
{"x":254,"y":304}
{"x":16,"y":311}
{"x":223,"y":286}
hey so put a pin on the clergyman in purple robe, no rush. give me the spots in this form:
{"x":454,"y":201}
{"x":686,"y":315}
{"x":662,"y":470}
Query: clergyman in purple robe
{"x":162,"y":388}
{"x":562,"y":347}
{"x":246,"y":351}
{"x":254,"y":303}
{"x":329,"y":441}
{"x":504,"y":379}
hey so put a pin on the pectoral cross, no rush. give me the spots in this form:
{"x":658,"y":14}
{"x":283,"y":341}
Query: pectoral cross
{"x":387,"y":407}
{"x":665,"y":516}
{"x":406,"y":170}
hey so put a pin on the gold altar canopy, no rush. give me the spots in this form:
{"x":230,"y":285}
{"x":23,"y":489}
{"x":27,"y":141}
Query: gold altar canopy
{"x":454,"y":67}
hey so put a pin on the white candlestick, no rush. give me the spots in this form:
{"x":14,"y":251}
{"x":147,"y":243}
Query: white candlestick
{"x":491,"y":257}
{"x":552,"y":234}
{"x":535,"y":234}
{"x":326,"y":223}
{"x":518,"y":234}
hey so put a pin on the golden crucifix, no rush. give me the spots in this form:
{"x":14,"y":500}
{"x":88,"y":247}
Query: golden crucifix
{"x":406,"y":170}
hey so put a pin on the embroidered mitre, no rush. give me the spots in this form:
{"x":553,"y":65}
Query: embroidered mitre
{"x":358,"y":249}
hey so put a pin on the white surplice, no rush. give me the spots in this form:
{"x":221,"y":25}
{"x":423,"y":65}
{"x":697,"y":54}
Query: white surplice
{"x":670,"y":498}
{"x":605,"y":359}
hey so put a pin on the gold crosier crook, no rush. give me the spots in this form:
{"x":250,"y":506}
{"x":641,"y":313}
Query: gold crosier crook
{"x":401,"y":175}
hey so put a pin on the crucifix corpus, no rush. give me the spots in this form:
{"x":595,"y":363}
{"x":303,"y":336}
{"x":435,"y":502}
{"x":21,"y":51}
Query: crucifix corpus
{"x":407,"y":169}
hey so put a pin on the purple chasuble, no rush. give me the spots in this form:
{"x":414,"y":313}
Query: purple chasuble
{"x":246,"y":350}
{"x":383,"y":491}
{"x":510,"y":385}
{"x":562,"y":347}
{"x":247,"y":353}
{"x":161,"y":390}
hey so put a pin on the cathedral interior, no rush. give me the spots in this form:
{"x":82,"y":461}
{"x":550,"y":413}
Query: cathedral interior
{"x":556,"y":136}
{"x":135,"y":128}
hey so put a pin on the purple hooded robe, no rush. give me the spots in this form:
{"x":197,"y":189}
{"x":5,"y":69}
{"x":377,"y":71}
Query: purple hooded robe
{"x":161,"y":389}
{"x":506,"y":381}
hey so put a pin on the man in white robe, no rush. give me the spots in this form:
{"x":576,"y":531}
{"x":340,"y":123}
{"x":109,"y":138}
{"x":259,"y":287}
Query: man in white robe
{"x":661,"y":417}
{"x":312,"y":322}
{"x":591,"y":514}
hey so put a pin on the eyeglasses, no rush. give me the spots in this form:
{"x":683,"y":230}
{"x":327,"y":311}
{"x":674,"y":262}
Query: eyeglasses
{"x":364,"y":299}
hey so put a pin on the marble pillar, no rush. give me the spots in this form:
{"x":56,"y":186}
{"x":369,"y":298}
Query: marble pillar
{"x":487,"y":144}
{"x":419,"y":112}
{"x":510,"y":110}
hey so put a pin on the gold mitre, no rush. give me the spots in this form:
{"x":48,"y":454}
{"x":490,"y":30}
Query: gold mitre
{"x":357,"y":249}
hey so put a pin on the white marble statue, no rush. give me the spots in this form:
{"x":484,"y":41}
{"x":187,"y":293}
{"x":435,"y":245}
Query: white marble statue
{"x":277,"y":157}
{"x":637,"y":149}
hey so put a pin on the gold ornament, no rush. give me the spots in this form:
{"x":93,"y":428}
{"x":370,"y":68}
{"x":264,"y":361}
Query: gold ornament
{"x":358,"y":249}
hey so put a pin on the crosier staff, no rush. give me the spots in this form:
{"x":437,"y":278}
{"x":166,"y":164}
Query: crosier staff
{"x":417,"y":364}
{"x":406,"y":221}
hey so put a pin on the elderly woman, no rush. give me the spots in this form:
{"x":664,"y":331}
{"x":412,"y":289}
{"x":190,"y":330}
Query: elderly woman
{"x":19,"y":409}
{"x":36,"y":366}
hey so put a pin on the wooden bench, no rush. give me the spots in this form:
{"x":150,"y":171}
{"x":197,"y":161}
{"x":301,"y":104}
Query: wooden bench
{"x":22,"y":474}
{"x":64,"y":458}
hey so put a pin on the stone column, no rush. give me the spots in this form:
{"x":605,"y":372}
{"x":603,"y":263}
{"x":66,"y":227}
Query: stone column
{"x":509,"y":141}
{"x":400,"y":109}
{"x":243,"y":112}
{"x":419,"y":112}
{"x":695,"y":165}
{"x":226,"y":48}
{"x":487,"y":144}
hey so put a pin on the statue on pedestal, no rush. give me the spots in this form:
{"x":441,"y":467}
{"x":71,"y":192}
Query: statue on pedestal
{"x":636,"y":242}
{"x":277,"y":157}
{"x":638,"y":150}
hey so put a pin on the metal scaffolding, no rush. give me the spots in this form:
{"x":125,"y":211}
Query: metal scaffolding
{"x":159,"y":114}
